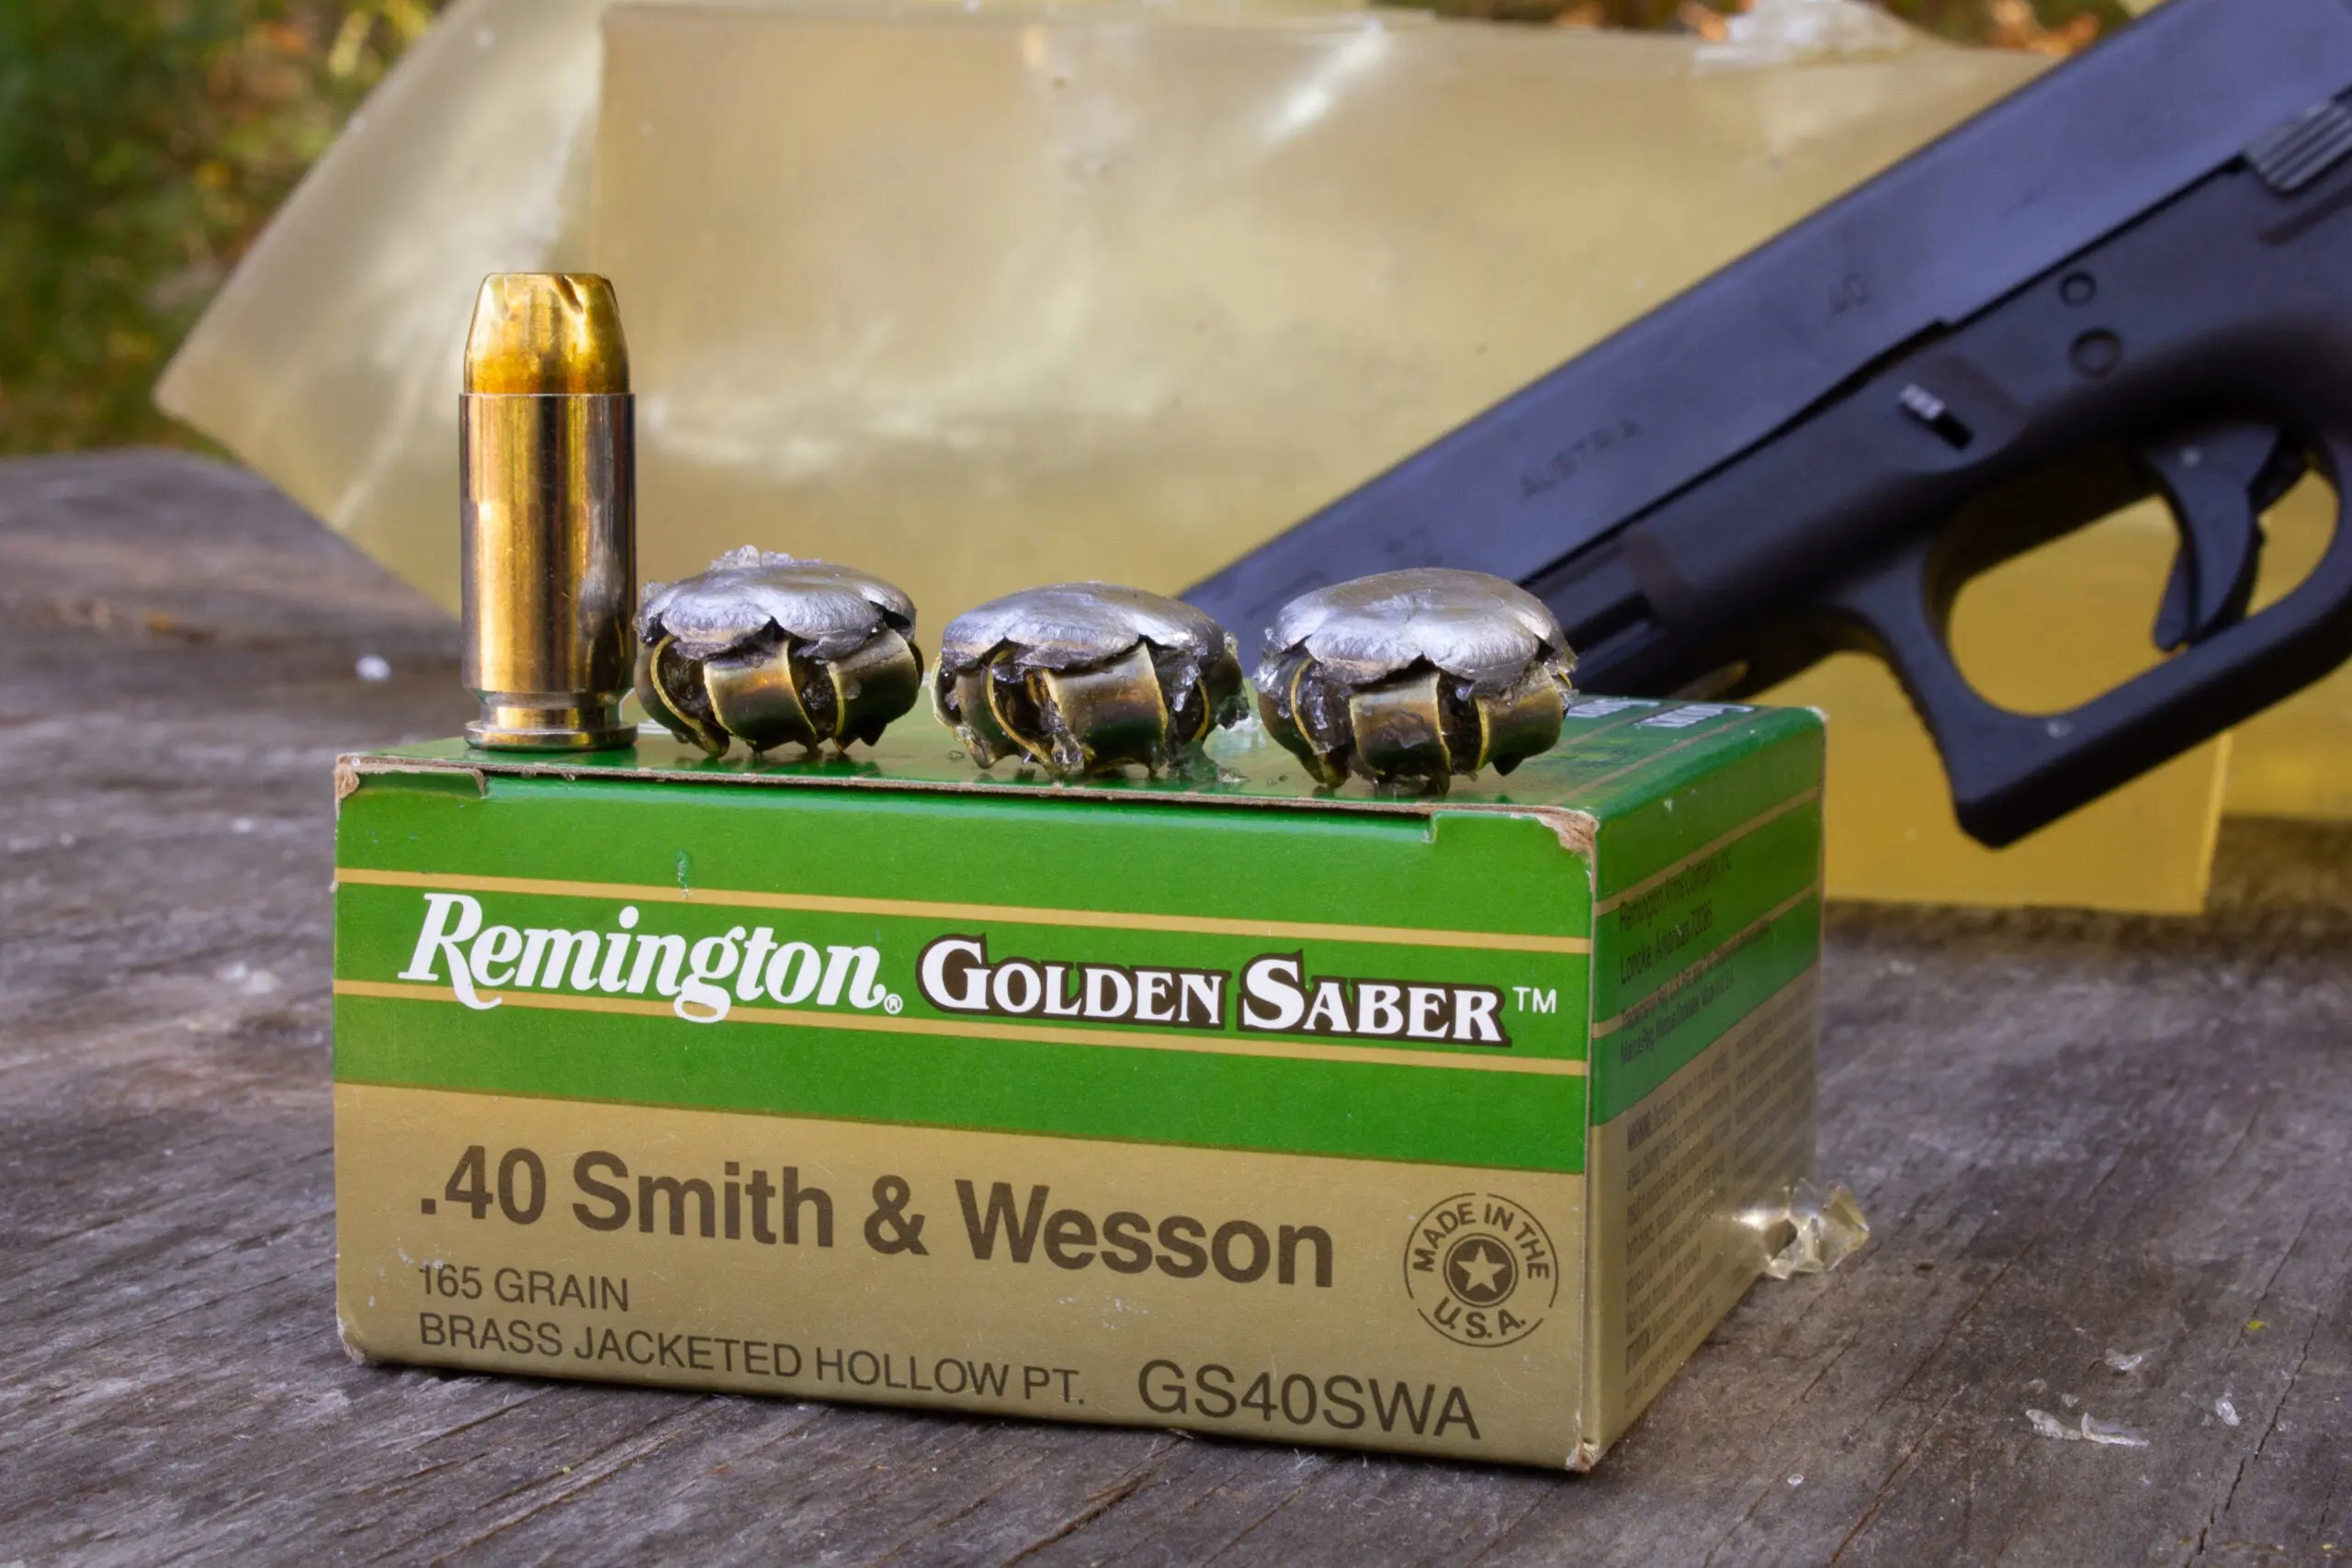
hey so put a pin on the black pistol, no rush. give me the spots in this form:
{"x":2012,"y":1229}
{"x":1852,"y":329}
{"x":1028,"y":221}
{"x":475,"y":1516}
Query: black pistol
{"x":2133,"y":276}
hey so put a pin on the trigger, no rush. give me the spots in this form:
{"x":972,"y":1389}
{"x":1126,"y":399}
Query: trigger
{"x":2220,"y":478}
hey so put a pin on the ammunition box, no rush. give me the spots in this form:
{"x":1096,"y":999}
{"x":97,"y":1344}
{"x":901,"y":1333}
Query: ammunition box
{"x":1450,"y":1125}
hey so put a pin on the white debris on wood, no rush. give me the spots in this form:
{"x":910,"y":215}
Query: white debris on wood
{"x":2089,"y":1429}
{"x":249,"y":981}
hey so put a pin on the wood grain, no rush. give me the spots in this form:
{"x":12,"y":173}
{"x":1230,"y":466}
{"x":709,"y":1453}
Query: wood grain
{"x":2074,"y":1135}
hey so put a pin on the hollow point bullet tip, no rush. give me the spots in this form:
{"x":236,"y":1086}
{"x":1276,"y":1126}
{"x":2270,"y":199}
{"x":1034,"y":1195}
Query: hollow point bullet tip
{"x":544,"y":332}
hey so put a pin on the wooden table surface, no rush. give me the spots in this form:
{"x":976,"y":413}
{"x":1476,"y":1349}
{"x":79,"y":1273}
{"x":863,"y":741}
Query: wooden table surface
{"x":2074,"y":1135}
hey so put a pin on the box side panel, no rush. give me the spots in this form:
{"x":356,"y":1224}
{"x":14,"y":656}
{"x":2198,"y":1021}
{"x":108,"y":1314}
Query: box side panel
{"x":1708,"y":901}
{"x":1668,"y":1183}
{"x":1706,"y":957}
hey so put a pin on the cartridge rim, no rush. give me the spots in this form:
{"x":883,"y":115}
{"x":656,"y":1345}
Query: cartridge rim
{"x":596,"y":727}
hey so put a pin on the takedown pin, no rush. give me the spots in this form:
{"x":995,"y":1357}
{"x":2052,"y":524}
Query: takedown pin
{"x":548,"y":463}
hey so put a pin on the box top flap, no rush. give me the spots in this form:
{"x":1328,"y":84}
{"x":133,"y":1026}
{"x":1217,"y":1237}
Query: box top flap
{"x":1614,"y":753}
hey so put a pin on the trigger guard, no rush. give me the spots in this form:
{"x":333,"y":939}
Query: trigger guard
{"x":2012,"y":774}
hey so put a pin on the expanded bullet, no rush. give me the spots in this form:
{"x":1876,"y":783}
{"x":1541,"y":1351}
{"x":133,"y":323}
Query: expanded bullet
{"x":1086,"y":677}
{"x":548,"y":459}
{"x":1413,"y":678}
{"x":771,"y":652}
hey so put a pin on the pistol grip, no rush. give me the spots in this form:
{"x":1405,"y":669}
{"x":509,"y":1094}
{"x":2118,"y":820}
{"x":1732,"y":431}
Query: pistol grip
{"x":2013,"y":772}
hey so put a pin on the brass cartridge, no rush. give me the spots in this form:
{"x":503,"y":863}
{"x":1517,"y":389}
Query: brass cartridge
{"x":547,"y":466}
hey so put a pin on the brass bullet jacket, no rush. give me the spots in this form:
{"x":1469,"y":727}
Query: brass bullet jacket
{"x":548,"y":464}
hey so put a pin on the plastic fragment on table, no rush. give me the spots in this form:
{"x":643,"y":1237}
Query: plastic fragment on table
{"x":2114,"y":1434}
{"x":1825,"y":1229}
{"x":2088,"y":1428}
{"x":2226,"y":1410}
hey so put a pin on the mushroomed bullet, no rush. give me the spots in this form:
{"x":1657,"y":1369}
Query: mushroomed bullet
{"x":771,"y":650}
{"x":1083,"y":677}
{"x":1408,"y":677}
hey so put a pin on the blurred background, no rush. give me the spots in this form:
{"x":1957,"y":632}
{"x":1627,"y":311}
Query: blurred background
{"x":145,"y":145}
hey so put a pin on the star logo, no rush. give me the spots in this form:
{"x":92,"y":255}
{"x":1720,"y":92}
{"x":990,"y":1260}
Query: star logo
{"x":1481,"y":1270}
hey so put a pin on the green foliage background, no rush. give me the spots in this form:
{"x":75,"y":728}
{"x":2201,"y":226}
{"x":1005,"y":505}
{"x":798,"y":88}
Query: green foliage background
{"x":144,"y":143}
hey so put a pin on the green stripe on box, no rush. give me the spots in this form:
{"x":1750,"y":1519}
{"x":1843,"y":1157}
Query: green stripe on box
{"x":1351,"y":1110}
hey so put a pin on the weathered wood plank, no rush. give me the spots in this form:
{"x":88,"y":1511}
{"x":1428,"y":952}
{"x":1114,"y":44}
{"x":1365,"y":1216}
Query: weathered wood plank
{"x":2075,"y":1134}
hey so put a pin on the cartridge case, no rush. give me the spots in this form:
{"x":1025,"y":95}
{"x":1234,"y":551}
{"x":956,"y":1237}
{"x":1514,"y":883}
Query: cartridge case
{"x":546,"y":444}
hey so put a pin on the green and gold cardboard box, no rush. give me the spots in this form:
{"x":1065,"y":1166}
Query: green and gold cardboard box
{"x":1444,"y":1125}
